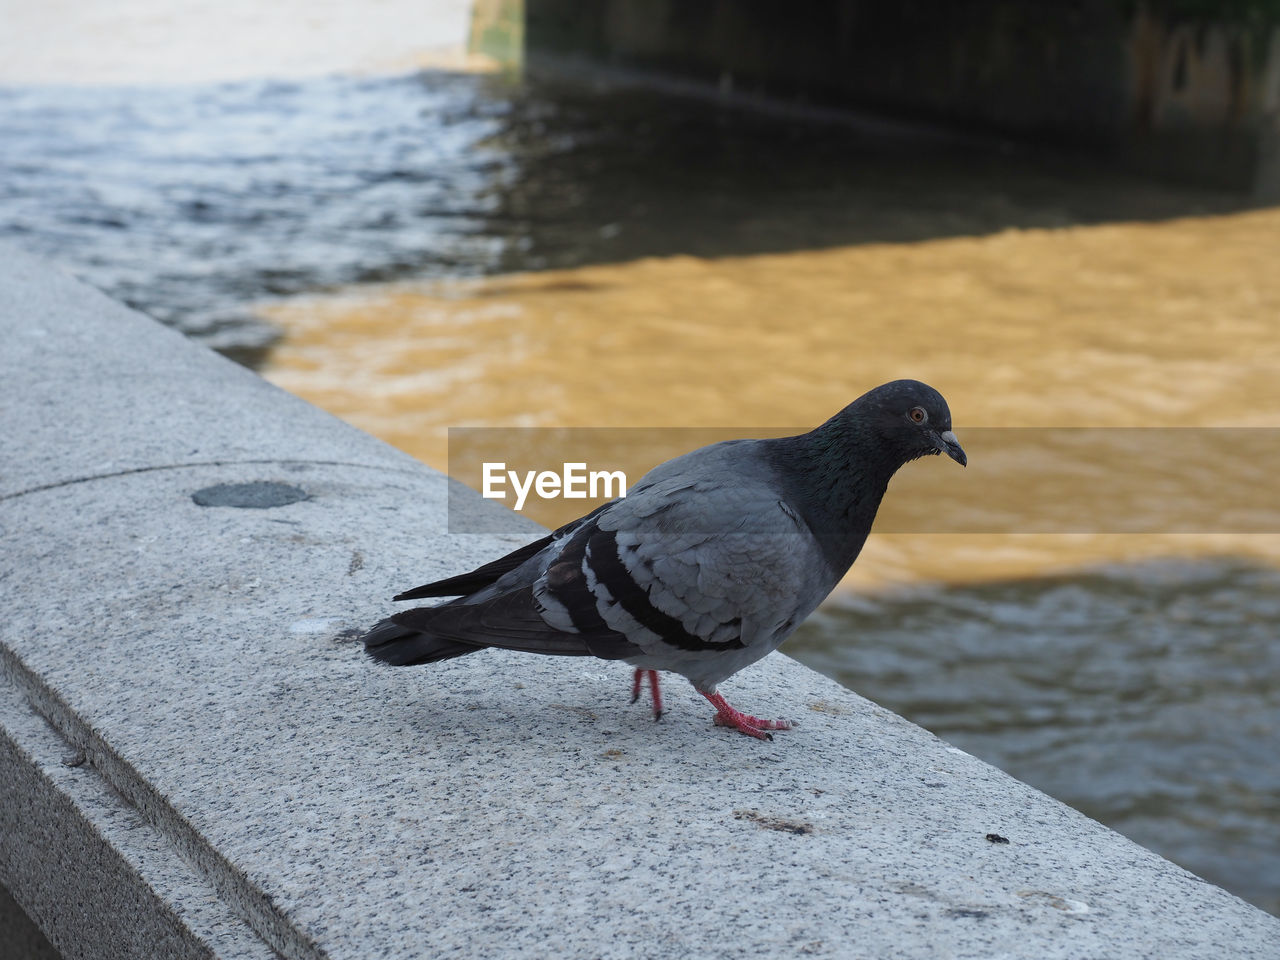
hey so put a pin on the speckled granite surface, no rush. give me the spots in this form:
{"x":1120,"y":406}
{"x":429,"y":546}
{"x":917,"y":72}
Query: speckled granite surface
{"x":493,"y":806}
{"x":99,"y":879}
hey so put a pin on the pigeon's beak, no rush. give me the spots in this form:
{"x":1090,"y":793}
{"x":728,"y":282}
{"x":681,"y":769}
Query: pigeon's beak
{"x":948,"y":444}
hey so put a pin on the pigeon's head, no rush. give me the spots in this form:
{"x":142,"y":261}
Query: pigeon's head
{"x":911,"y":419}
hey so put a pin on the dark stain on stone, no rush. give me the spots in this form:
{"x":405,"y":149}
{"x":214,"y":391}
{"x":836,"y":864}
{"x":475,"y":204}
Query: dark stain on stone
{"x":258,"y":495}
{"x":781,"y":824}
{"x":958,"y":912}
{"x":996,"y":838}
{"x":75,"y":758}
{"x":357,"y":561}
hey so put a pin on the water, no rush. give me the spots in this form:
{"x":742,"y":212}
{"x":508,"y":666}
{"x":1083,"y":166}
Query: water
{"x":425,"y":249}
{"x":189,"y":203}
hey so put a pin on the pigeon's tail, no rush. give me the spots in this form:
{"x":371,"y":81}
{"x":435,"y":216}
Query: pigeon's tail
{"x":401,"y":646}
{"x":510,"y":620}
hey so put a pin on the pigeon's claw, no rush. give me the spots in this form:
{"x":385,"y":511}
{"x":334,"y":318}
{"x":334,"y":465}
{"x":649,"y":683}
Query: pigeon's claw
{"x":654,"y":689}
{"x":742,"y":723}
{"x":727,"y":716}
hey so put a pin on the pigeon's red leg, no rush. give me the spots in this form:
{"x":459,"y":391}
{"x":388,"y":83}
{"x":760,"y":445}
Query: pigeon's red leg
{"x":657,"y":695}
{"x":653,"y":688}
{"x":726,"y":716}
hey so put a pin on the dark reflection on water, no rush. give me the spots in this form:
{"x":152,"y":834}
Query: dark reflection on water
{"x":616,"y":175}
{"x":1147,"y":697}
{"x":191,"y":202}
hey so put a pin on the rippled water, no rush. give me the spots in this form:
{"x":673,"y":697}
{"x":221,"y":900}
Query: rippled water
{"x":191,"y":202}
{"x":442,"y":248}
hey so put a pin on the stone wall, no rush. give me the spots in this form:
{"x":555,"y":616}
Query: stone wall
{"x":1178,"y":98}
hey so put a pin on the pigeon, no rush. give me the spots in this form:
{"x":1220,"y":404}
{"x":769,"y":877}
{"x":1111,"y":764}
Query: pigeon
{"x":706,"y":565}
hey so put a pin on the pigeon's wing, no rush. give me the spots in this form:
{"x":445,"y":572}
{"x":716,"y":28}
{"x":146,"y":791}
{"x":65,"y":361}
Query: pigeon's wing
{"x":701,"y":576}
{"x":465,"y":583}
{"x":509,"y":613}
{"x":484,"y":576}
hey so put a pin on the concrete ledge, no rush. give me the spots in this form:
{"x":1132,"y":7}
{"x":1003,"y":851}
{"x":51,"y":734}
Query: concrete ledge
{"x":92,"y":873}
{"x":252,"y":784}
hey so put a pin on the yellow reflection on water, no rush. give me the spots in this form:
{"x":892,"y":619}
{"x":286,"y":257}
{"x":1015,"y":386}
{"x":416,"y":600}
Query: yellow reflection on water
{"x":1130,"y":324}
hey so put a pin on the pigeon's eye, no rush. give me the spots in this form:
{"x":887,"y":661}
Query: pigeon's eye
{"x":918,"y":415}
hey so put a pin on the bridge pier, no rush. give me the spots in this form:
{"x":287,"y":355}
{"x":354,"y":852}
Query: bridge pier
{"x":1161,"y":93}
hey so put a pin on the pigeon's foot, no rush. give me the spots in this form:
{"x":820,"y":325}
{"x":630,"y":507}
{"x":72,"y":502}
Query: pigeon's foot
{"x":654,"y":689}
{"x":727,"y":716}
